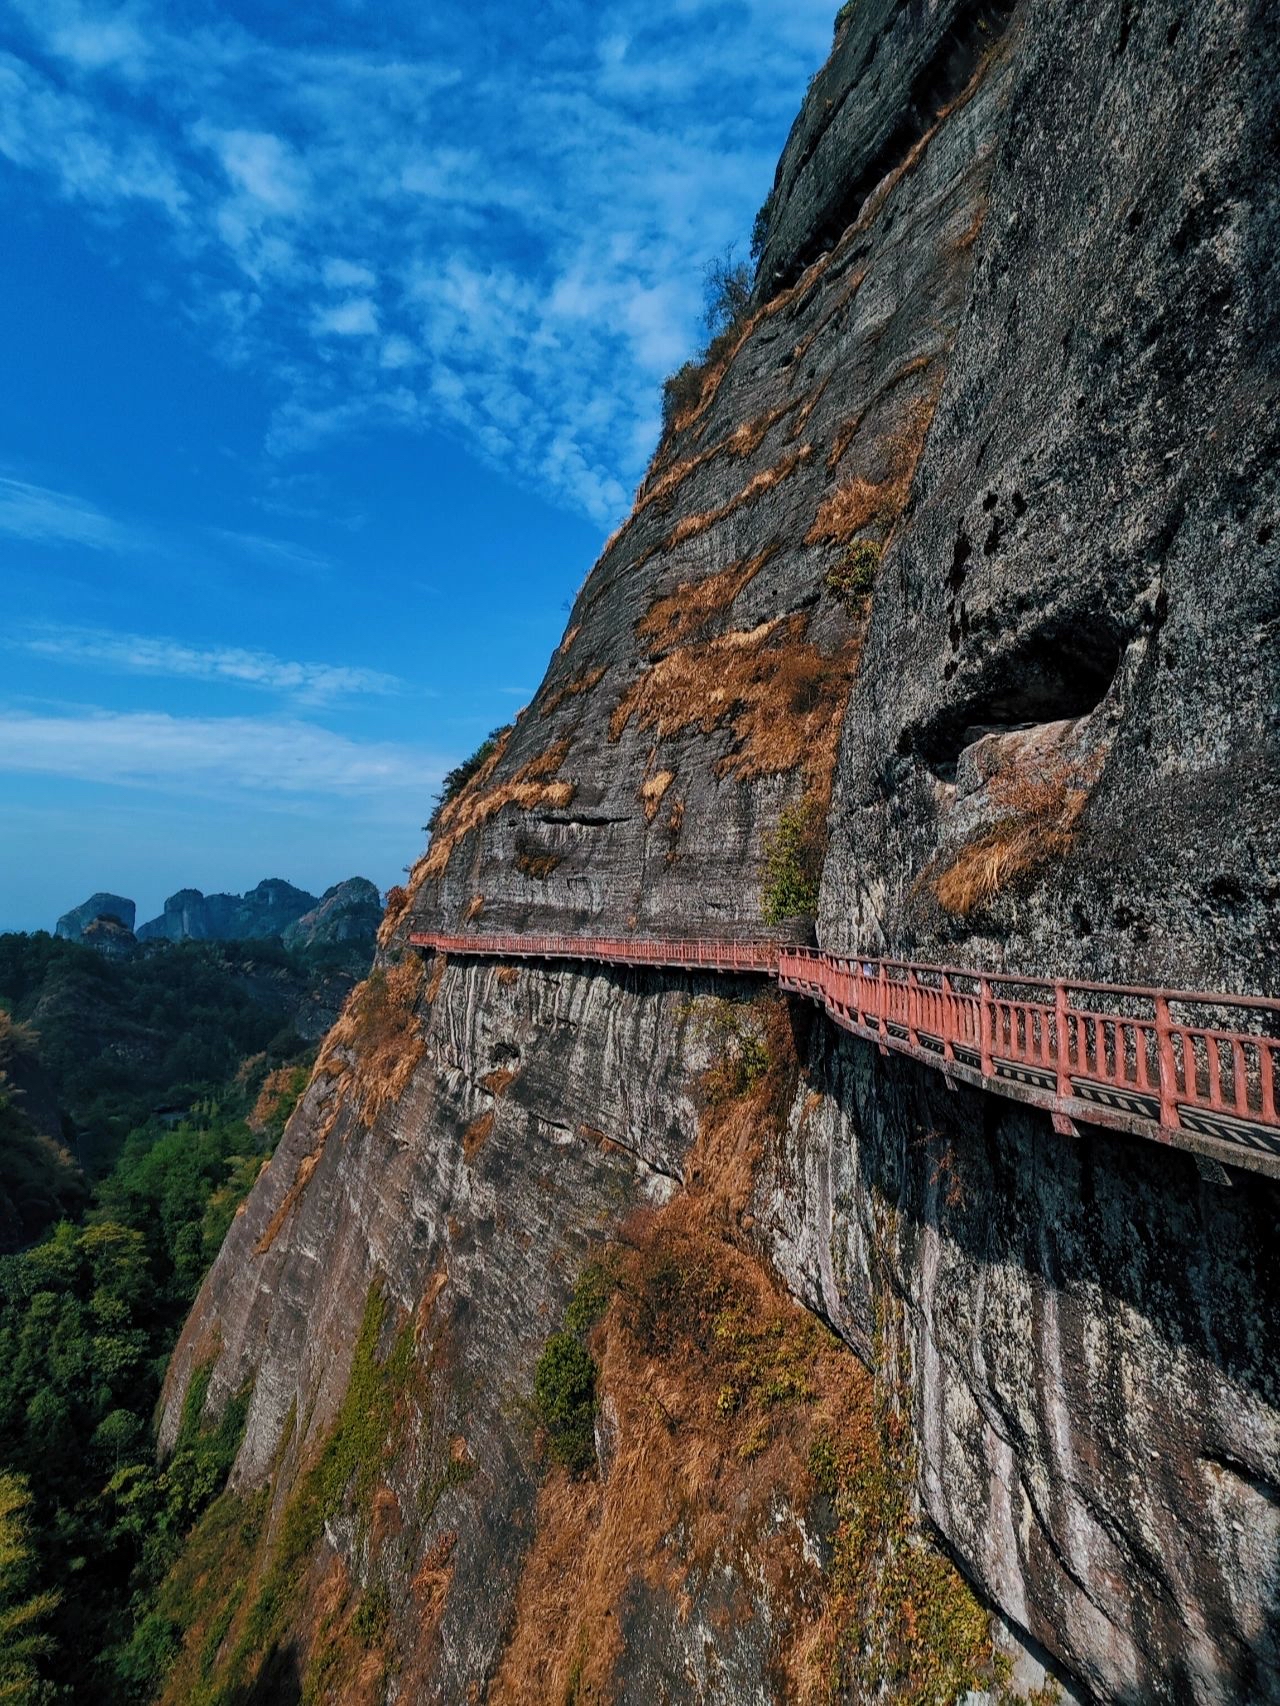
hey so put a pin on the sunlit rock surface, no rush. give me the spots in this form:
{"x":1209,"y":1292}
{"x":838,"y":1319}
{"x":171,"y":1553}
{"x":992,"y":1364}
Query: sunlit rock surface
{"x":1015,"y":330}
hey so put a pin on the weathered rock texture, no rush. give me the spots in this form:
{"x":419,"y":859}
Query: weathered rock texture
{"x":1015,"y":327}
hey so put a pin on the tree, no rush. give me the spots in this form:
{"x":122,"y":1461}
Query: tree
{"x":22,"y":1640}
{"x":726,"y":286}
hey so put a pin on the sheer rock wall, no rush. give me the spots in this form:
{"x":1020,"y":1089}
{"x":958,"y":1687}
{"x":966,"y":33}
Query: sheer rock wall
{"x":1017,"y":310}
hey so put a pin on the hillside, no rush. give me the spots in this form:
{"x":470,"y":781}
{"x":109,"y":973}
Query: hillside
{"x":630,"y":1334}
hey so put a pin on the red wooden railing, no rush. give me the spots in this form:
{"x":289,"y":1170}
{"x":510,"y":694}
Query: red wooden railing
{"x":1201,"y":1071}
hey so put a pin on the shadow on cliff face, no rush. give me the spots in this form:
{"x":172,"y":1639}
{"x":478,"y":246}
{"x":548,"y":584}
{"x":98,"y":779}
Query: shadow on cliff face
{"x":1124,"y":1409}
{"x":277,"y":1683}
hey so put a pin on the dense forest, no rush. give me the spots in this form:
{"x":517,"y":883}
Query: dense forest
{"x":139,"y":1100}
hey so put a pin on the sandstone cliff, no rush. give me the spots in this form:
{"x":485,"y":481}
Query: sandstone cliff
{"x":967,"y":542}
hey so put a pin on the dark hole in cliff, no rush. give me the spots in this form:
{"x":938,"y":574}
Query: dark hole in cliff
{"x":1019,"y":505}
{"x":1126,"y":24}
{"x":960,"y":555}
{"x":1057,"y":674}
{"x":944,"y":76}
{"x":1265,"y":535}
{"x":1175,"y":30}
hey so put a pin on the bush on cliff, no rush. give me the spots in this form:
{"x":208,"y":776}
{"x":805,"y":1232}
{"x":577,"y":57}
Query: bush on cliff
{"x":726,"y":287}
{"x":564,"y":1396}
{"x":793,"y":865}
{"x":456,"y":779}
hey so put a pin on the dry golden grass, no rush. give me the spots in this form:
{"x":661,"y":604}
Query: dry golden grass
{"x":439,"y":965}
{"x":808,"y":404}
{"x":569,"y":638}
{"x":474,"y":1137}
{"x":860,"y":502}
{"x":366,"y":1061}
{"x":533,"y":786}
{"x":289,"y":1201}
{"x":970,"y":235}
{"x":652,"y":790}
{"x":686,"y":613}
{"x":666,"y":477}
{"x":841,"y":442}
{"x":689,"y":526}
{"x":398,"y":902}
{"x":536,"y":862}
{"x":714,"y":376}
{"x":850,"y":508}
{"x":581,"y":683}
{"x":722,"y":1399}
{"x":1040,"y":812}
{"x":672,"y":826}
{"x":277,"y":1088}
{"x":782,"y":697}
{"x":475,"y":906}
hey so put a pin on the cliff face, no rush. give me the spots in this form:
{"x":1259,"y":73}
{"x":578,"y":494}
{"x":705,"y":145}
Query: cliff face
{"x":1012,"y":358}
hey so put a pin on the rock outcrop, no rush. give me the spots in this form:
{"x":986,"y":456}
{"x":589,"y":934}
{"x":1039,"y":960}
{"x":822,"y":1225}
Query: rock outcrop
{"x":968,"y":545}
{"x":347,"y":912}
{"x":71,"y":926}
{"x":265,"y":911}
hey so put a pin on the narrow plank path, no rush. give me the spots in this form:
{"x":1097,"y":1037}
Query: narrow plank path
{"x":1198,"y":1071}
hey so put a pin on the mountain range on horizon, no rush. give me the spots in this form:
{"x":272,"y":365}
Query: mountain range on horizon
{"x":347,"y":911}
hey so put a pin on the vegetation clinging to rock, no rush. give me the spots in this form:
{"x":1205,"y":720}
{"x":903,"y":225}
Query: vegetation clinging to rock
{"x":727,"y":294}
{"x":793,"y":864}
{"x":456,"y":779}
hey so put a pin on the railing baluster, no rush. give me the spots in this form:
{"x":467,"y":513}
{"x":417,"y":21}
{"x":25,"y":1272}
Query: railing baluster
{"x":1117,"y":1048}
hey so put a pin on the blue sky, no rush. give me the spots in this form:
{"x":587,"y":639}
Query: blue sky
{"x":332,"y":339}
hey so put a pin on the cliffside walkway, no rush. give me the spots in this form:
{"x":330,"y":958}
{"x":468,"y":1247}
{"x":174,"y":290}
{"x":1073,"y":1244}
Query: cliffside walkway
{"x":1199,"y":1071}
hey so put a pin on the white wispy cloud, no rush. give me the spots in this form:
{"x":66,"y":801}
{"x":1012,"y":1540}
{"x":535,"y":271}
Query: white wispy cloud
{"x":357,"y":317}
{"x":42,"y":516}
{"x":144,"y":654}
{"x":212,"y":755}
{"x":524,"y":289}
{"x":278,"y":552}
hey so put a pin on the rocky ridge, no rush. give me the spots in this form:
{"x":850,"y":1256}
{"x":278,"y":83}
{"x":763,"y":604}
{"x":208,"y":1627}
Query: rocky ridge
{"x":1010,"y":358}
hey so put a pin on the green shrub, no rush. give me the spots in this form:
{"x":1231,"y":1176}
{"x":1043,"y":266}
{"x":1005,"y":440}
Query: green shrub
{"x":564,"y":1396}
{"x":681,"y":391}
{"x":844,"y":14}
{"x":456,"y":779}
{"x":590,"y":1297}
{"x":741,"y":1052}
{"x":726,"y":286}
{"x":793,"y":864}
{"x":855,"y":574}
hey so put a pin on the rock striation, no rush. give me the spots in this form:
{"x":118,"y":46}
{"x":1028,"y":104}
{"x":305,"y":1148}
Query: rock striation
{"x":967,"y":546}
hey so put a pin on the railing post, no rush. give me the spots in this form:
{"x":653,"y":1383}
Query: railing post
{"x":984,"y":1026}
{"x":1167,"y":1066}
{"x":948,"y":1019}
{"x":913,"y":1009}
{"x":884,"y":1004}
{"x":1063,"y":1058}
